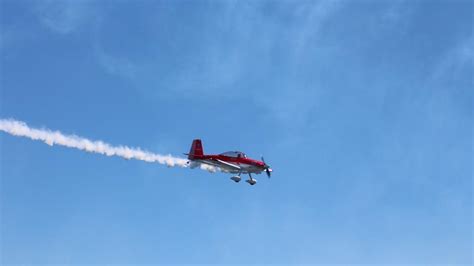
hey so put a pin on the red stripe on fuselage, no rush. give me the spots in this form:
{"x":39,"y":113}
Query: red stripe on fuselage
{"x":233,"y":160}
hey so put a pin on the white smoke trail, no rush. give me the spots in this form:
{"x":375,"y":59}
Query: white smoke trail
{"x":18,"y":128}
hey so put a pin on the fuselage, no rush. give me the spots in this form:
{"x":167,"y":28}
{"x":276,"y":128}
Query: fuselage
{"x":247,"y":165}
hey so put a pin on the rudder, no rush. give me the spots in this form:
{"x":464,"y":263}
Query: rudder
{"x":196,"y":150}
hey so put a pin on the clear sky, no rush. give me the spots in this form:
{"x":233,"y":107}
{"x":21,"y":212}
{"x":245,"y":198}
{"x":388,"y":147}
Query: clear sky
{"x":364,"y":109}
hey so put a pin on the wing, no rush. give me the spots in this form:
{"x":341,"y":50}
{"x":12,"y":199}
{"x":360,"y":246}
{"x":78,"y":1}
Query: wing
{"x":232,"y":166}
{"x":223,"y":165}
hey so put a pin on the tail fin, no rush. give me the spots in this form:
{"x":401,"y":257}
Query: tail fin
{"x":196,"y":150}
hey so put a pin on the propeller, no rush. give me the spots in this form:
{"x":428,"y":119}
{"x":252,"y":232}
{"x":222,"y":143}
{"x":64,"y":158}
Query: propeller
{"x":267,"y":168}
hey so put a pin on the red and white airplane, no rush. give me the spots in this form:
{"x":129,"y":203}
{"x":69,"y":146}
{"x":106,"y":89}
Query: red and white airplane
{"x":235,"y":162}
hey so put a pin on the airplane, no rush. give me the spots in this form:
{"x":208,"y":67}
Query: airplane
{"x":235,"y":162}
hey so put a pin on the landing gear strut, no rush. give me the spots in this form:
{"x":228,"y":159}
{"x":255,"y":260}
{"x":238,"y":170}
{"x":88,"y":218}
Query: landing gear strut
{"x":251,"y":181}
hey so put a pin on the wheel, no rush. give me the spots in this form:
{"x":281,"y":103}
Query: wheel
{"x":251,"y":181}
{"x":236,"y":179}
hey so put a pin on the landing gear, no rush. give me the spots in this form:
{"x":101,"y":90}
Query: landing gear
{"x":236,"y":178}
{"x":251,"y":181}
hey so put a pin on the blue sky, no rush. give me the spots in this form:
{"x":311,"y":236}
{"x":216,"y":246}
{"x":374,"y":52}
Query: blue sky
{"x":364,"y":109}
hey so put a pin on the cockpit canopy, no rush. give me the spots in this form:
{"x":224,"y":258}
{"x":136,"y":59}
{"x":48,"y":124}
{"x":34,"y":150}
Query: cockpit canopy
{"x":235,"y":154}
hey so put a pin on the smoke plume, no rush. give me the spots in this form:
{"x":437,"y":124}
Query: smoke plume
{"x":21,"y":129}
